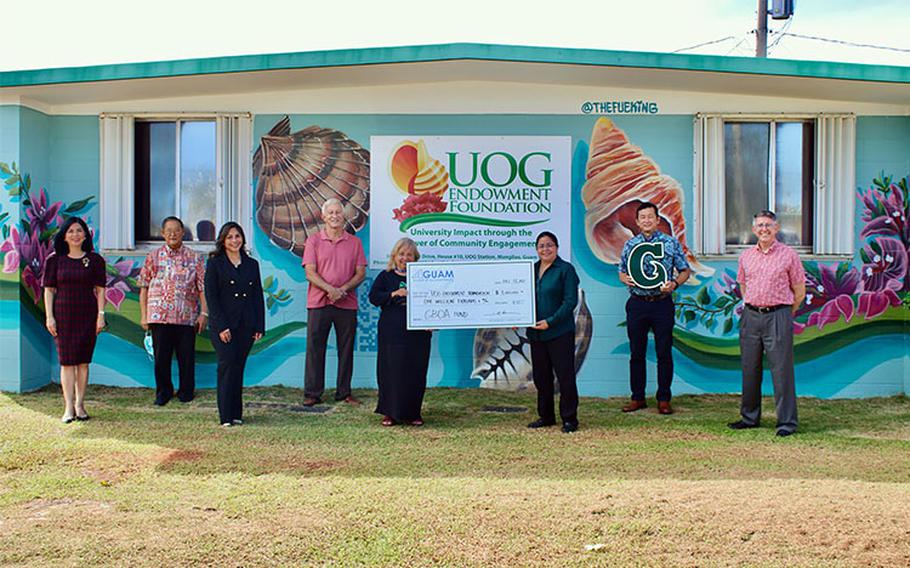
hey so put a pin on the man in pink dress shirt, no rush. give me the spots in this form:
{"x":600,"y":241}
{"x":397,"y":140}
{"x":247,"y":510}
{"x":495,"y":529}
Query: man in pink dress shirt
{"x":335,"y":264}
{"x":773,"y":285}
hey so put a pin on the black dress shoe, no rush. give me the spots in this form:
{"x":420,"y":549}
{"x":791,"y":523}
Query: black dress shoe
{"x":740,"y":425}
{"x":784,"y":433}
{"x":541,"y":423}
{"x":568,"y":427}
{"x":82,"y":418}
{"x":161,"y":401}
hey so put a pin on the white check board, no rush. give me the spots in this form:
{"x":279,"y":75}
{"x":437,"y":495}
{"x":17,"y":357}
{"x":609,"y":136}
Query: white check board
{"x":467,"y":295}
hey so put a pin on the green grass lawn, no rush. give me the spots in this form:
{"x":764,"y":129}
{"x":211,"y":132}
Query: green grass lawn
{"x":140,"y":485}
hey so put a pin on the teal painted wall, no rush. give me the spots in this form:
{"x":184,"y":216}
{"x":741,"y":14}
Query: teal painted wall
{"x":849,"y":362}
{"x":883,"y":148}
{"x":35,"y":344}
{"x":9,"y":289}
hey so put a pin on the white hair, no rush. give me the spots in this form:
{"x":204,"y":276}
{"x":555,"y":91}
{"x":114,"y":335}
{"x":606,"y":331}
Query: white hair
{"x":332,"y":201}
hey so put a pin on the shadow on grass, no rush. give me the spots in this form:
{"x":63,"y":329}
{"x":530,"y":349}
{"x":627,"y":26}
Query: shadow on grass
{"x":852,"y":439}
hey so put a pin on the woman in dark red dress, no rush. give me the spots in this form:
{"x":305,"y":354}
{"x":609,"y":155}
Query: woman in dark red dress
{"x":74,"y":279}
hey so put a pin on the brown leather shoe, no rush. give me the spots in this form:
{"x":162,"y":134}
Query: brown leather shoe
{"x":351,"y":400}
{"x":663,"y":407}
{"x":635,"y":405}
{"x":310,"y":401}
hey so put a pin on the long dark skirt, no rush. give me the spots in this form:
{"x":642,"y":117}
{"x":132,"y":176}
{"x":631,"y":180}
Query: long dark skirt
{"x":401,"y":372}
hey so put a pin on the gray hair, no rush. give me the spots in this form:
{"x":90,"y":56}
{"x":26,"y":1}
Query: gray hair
{"x":332,"y":201}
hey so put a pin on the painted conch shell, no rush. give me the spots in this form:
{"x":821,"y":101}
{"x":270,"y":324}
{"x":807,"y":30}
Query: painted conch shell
{"x":619,"y":178}
{"x":298,"y":172}
{"x":415,"y":172}
{"x":502,"y":356}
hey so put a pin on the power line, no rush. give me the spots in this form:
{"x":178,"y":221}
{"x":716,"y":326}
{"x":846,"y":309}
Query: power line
{"x":735,"y":47}
{"x":780,"y":34}
{"x":704,"y":44}
{"x":842,"y":42}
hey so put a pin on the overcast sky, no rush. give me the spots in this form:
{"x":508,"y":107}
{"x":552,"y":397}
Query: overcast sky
{"x":57,"y":33}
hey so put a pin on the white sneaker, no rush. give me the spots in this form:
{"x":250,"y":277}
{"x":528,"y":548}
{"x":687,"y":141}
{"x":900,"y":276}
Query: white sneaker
{"x":237,"y":422}
{"x":226,"y":425}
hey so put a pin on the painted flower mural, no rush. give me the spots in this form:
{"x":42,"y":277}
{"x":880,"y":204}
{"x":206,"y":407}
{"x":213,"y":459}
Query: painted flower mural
{"x":838,"y":292}
{"x":27,"y":247}
{"x":121,"y":280}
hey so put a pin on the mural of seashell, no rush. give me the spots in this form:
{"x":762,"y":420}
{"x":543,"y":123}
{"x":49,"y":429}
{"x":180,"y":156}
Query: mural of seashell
{"x":502,"y":356}
{"x":298,"y":172}
{"x":619,"y":177}
{"x":415,"y":172}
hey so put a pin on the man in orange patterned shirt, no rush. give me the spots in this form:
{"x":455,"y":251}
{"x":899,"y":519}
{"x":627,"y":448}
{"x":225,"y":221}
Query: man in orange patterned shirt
{"x":172,"y":306}
{"x":773,"y":285}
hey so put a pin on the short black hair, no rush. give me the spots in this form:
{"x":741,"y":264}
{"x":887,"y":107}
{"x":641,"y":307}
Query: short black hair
{"x":172,"y":218}
{"x":646,"y":205}
{"x":60,"y":245}
{"x":551,"y":236}
{"x":765,"y":213}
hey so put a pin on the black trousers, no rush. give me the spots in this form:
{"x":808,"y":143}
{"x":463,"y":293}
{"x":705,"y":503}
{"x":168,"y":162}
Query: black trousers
{"x":166,"y":340}
{"x":659,"y":317}
{"x":319,"y":323}
{"x":232,"y":358}
{"x":557,"y":356}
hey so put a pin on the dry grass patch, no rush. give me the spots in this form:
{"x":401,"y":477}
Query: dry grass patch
{"x":140,"y":486}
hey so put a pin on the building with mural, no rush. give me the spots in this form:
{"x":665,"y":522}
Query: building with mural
{"x":471,"y":150}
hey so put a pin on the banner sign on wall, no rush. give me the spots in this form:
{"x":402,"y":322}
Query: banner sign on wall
{"x":469,"y":197}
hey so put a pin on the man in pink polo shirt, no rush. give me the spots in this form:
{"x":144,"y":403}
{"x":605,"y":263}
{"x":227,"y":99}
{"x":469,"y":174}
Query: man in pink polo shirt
{"x":773,"y":285}
{"x":335,"y":265}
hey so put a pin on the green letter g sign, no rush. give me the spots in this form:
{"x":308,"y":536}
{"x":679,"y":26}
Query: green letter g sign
{"x":651,"y":253}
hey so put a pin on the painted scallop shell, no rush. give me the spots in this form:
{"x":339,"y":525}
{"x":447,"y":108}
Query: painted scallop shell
{"x":502,"y":356}
{"x":298,"y":172}
{"x":415,"y":172}
{"x":619,"y":178}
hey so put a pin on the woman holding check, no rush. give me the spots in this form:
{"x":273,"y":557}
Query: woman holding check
{"x":553,"y":336}
{"x":403,"y":356}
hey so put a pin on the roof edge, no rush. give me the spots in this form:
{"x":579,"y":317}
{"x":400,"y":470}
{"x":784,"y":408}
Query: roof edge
{"x":452,"y":52}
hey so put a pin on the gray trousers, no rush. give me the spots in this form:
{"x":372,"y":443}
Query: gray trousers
{"x":771,"y":333}
{"x":319,"y":323}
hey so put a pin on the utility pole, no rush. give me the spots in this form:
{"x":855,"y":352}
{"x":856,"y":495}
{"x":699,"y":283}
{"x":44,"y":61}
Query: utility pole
{"x":761,"y":33}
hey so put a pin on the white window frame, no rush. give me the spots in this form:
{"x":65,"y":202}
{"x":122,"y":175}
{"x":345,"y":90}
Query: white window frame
{"x":834,"y":182}
{"x":233,"y":166}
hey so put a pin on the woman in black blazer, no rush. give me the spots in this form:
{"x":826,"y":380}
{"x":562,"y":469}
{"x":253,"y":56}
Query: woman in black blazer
{"x":233,"y":291}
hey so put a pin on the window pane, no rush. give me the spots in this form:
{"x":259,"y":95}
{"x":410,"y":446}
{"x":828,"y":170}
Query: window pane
{"x":746,"y":146}
{"x":162,"y":173}
{"x":197,"y":179}
{"x":790,"y":178}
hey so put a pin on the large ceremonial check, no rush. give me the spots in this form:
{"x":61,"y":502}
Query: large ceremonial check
{"x":462,"y":295}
